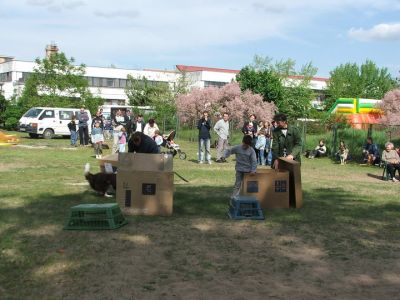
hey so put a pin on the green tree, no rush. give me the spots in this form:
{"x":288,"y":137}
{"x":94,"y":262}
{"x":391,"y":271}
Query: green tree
{"x":280,"y":83}
{"x":12,"y":113}
{"x":142,"y":92}
{"x":264,"y":82}
{"x":56,"y":82}
{"x":352,"y":81}
{"x":3,"y":106}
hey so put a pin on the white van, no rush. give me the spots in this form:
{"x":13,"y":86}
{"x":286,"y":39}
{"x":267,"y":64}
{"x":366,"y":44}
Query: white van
{"x":49,"y":121}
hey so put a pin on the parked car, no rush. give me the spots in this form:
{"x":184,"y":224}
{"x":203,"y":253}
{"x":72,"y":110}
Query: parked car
{"x":49,"y":121}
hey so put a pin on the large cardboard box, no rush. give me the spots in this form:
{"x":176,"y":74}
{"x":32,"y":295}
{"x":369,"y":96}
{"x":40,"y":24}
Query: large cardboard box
{"x":111,"y":159}
{"x":270,"y":187}
{"x":145,"y":193}
{"x":146,"y":162}
{"x":296,"y":191}
{"x":145,"y":184}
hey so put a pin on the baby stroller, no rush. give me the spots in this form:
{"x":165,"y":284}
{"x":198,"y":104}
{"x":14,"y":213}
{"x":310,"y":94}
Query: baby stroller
{"x":172,"y":147}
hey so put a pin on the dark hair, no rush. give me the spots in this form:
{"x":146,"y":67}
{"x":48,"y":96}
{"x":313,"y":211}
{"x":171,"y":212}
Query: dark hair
{"x":151,"y":121}
{"x":370,"y":138}
{"x":255,"y":117}
{"x":280,"y":117}
{"x":247,"y":139}
{"x":137,"y":137}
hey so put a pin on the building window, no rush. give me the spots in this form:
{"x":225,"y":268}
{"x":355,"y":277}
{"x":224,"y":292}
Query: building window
{"x":109,"y":82}
{"x":214,"y":84}
{"x":122,"y":83}
{"x":4,"y":77}
{"x":96,"y":81}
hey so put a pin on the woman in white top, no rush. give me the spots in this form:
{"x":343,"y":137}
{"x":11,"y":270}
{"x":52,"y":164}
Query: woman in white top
{"x":150,"y":128}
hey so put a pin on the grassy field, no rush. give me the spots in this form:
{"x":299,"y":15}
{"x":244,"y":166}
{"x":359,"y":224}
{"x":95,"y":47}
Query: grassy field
{"x":343,"y":244}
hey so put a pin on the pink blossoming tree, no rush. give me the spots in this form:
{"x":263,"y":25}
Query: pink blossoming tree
{"x":228,"y":98}
{"x":391,"y":107}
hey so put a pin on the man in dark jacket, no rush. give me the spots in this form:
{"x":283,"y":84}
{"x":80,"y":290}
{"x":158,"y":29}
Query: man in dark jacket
{"x":139,"y":124}
{"x":204,"y":126}
{"x":371,"y":152}
{"x":141,"y":143}
{"x":98,"y":119}
{"x":286,"y":141}
{"x":83,"y":119}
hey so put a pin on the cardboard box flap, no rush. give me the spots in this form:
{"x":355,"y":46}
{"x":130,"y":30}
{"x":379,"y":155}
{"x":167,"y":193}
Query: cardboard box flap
{"x":145,"y":162}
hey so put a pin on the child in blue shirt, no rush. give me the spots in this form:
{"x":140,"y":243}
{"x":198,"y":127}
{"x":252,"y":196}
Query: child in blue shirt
{"x":97,"y":139}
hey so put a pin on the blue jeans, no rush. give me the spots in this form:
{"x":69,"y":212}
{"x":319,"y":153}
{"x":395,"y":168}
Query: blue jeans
{"x":74,"y":137}
{"x":261,"y":157}
{"x":204,"y":146}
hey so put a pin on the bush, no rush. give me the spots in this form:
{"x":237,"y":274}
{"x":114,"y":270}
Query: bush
{"x":11,"y":123}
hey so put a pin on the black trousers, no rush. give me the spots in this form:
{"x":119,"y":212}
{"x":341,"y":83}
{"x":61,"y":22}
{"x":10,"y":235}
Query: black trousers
{"x":391,"y":169}
{"x":83,"y":135}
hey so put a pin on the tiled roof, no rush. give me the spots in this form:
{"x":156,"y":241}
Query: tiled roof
{"x":184,"y":68}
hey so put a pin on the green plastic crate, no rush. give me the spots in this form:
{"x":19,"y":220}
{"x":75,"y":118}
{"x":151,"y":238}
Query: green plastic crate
{"x":95,"y":217}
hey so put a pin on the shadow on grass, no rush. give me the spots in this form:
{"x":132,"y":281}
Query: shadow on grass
{"x":344,"y":224}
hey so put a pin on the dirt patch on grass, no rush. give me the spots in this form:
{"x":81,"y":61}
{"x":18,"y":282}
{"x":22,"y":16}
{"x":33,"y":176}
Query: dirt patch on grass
{"x":4,"y":167}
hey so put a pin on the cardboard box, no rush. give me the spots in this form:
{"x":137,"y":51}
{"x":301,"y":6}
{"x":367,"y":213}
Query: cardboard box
{"x":270,"y":187}
{"x":145,"y":184}
{"x":146,"y":162}
{"x":111,"y":159}
{"x":296,"y":191}
{"x":145,"y":193}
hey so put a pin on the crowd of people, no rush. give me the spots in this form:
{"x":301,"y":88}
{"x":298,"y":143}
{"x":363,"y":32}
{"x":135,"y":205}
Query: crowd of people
{"x":124,"y":129}
{"x":262,"y":142}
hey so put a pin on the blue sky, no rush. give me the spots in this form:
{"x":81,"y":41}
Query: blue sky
{"x":219,"y":33}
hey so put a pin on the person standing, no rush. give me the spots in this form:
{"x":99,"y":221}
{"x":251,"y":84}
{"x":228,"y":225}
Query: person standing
{"x":129,"y":123}
{"x":118,"y":122}
{"x":222,"y":130}
{"x":72,"y":130}
{"x":122,"y":140}
{"x":98,"y":119}
{"x":246,"y":161}
{"x":138,"y":125}
{"x":286,"y":141}
{"x":204,"y":126}
{"x":150,"y":128}
{"x":97,"y":139}
{"x":83,"y":119}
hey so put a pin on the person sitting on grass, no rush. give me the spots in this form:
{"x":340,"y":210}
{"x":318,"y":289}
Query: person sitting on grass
{"x":246,"y":161}
{"x":371,"y":153}
{"x":319,"y":151}
{"x":392,"y":160}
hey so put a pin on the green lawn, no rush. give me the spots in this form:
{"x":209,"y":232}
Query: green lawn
{"x":343,"y":244}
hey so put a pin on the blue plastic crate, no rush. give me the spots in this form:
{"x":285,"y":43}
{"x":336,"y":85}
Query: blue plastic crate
{"x":245,"y":208}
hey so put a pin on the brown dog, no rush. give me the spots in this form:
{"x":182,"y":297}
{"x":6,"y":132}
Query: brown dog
{"x":100,"y":182}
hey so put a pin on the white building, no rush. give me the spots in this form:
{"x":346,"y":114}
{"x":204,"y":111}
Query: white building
{"x":109,"y":83}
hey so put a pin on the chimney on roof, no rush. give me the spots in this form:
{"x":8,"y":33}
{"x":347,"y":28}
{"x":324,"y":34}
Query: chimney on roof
{"x":51,"y":49}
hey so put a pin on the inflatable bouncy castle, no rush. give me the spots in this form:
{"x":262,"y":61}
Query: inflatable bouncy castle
{"x":359,"y":112}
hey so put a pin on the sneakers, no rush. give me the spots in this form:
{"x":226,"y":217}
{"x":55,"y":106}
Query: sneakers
{"x":200,"y":162}
{"x":209,"y":162}
{"x":395,"y":180}
{"x":219,"y":161}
